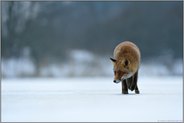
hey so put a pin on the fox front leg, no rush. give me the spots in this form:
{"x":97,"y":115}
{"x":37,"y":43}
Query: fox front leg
{"x":124,"y":87}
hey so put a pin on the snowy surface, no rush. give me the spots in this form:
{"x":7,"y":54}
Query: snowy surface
{"x":91,"y":99}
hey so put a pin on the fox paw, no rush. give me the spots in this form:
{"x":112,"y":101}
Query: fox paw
{"x":125,"y":92}
{"x":137,"y":91}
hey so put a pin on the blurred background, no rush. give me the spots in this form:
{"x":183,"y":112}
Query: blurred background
{"x":76,"y":39}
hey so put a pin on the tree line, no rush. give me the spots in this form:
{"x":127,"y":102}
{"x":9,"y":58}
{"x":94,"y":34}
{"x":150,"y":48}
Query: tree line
{"x":52,"y":29}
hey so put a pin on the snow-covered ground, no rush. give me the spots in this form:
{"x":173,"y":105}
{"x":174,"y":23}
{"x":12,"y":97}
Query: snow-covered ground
{"x":91,"y":99}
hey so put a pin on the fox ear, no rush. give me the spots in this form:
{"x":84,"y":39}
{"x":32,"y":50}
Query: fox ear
{"x":113,"y":60}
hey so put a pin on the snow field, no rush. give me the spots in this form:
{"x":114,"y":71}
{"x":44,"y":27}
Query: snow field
{"x":91,"y":100}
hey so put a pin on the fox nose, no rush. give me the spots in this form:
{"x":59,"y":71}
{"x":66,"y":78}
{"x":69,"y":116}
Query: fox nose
{"x":116,"y":81}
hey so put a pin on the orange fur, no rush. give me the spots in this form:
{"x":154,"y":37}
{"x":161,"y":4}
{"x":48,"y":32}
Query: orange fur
{"x":127,"y":60}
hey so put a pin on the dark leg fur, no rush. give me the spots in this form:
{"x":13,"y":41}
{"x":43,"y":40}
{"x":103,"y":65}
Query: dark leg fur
{"x":135,"y":81}
{"x":136,"y":90}
{"x":132,"y":83}
{"x":124,"y":87}
{"x":129,"y":82}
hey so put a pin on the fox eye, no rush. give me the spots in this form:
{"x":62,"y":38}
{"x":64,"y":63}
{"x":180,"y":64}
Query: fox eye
{"x":115,"y":72}
{"x":126,"y":62}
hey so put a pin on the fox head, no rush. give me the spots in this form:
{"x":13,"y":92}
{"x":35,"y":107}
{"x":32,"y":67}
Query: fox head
{"x":122,"y":69}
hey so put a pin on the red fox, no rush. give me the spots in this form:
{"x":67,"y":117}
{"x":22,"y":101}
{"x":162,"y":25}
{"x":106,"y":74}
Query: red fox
{"x":126,"y":63}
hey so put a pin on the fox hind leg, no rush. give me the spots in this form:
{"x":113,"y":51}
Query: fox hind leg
{"x":132,"y":83}
{"x":135,"y":82}
{"x":136,"y":89}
